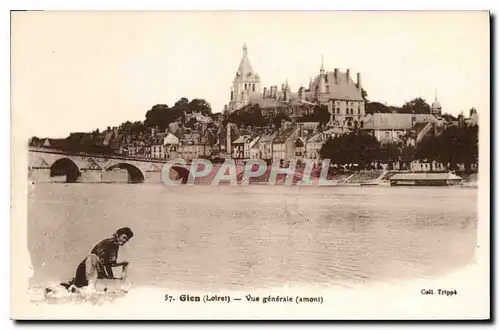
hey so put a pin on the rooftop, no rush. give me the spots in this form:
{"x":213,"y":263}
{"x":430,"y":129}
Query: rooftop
{"x":338,"y":87}
{"x":400,"y":121}
{"x":425,"y":176}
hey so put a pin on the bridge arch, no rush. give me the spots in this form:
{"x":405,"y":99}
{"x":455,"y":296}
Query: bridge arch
{"x":135,"y":175}
{"x":65,"y":167}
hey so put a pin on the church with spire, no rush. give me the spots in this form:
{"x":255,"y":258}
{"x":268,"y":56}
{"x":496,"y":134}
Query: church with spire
{"x":246,"y":84}
{"x":334,"y":89}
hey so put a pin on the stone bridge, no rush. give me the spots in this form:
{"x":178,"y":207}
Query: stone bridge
{"x":50,"y":165}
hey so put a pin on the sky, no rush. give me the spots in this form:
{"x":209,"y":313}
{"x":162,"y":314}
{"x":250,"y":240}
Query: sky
{"x":78,"y":71}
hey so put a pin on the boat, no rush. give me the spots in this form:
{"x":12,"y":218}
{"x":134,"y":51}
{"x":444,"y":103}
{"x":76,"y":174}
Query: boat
{"x":425,"y":179}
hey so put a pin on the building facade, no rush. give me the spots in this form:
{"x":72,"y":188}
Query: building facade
{"x":393,"y":127}
{"x":334,"y":89}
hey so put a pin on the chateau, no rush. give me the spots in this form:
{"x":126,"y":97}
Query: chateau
{"x":335,"y":89}
{"x":194,"y":134}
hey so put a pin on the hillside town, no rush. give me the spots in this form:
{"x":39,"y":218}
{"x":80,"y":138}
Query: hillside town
{"x":327,"y":119}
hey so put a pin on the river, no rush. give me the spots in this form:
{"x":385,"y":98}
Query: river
{"x":225,"y":237}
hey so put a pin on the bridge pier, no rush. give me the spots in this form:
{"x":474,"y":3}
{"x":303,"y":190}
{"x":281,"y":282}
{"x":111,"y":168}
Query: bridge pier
{"x":115,"y":175}
{"x":90,"y":176}
{"x":153,"y":177}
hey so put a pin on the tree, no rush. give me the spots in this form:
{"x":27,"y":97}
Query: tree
{"x":376,"y":107}
{"x":431,"y":149}
{"x":459,"y":145}
{"x":389,"y":152}
{"x":249,"y":115}
{"x":455,"y":145}
{"x":134,"y":128}
{"x":161,"y":115}
{"x":364,"y":94}
{"x":182,"y":104}
{"x":199,"y":105}
{"x":320,"y":114}
{"x":417,"y":105}
{"x":408,"y":153}
{"x":470,"y":147}
{"x":353,"y":148}
{"x":33,"y":141}
{"x":277,"y":120}
{"x":448,"y":117}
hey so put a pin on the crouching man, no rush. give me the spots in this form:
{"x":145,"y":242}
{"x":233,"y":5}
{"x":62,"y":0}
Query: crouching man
{"x":101,"y":261}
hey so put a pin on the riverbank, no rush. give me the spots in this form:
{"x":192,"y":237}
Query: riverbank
{"x":216,"y":176}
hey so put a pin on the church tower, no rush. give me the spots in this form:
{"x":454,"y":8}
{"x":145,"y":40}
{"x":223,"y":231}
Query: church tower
{"x":436,"y":106}
{"x":322,"y":79}
{"x":246,"y":82}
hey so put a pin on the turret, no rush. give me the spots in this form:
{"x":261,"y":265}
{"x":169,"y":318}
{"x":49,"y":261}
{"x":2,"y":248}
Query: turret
{"x":301,"y":93}
{"x":322,"y":69}
{"x":322,"y":80}
{"x":436,"y":106}
{"x":322,"y":84}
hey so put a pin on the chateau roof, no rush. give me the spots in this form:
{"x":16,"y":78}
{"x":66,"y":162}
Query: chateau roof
{"x":270,"y":102}
{"x":339,"y":88}
{"x":400,"y":121}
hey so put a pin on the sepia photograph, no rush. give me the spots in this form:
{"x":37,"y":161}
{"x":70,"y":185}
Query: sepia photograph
{"x":259,"y":165}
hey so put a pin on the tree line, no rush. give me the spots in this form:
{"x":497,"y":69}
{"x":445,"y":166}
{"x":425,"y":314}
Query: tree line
{"x":455,"y":145}
{"x":160,"y":116}
{"x":252,"y":115}
{"x":417,"y":105}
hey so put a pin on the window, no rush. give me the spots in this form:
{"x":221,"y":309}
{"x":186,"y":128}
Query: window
{"x":386,"y":135}
{"x":232,"y":95}
{"x":253,"y":87}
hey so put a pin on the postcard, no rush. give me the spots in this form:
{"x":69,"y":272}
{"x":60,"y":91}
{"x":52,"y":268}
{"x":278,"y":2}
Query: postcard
{"x":250,"y":165}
